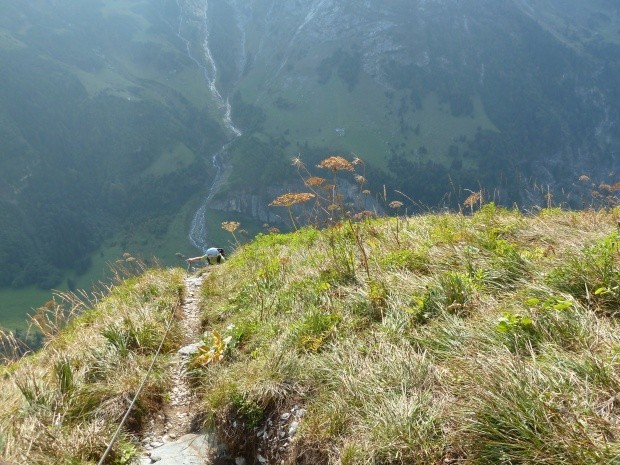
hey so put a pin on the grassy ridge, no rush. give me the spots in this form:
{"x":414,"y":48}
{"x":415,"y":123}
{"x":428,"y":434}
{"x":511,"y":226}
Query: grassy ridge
{"x":483,"y":339}
{"x":443,"y":338}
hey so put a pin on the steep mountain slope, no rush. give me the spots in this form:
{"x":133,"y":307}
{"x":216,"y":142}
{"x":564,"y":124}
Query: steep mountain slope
{"x":436,"y":339}
{"x":484,"y":92}
{"x":105,"y":122}
{"x":111,"y":112}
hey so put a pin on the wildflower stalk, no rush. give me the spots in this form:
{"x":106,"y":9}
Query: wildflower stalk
{"x":396,"y":205}
{"x":290,"y":199}
{"x":231,"y":227}
{"x":360,"y":245}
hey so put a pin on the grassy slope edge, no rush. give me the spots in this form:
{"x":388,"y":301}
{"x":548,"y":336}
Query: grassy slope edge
{"x":486,"y":339}
{"x":62,"y":404}
{"x":442,"y":338}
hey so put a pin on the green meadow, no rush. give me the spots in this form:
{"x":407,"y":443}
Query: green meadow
{"x":362,"y":120}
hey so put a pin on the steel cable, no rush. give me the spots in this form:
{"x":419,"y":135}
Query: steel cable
{"x":135,"y":398}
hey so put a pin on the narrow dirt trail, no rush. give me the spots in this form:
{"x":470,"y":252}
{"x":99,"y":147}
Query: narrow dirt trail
{"x":170,"y":437}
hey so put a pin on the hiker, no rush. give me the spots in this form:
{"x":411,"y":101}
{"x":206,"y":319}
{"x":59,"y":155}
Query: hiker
{"x":214,"y":255}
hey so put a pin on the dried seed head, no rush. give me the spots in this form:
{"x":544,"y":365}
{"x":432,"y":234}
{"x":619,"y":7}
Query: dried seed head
{"x":472,"y":199}
{"x":314,"y":181}
{"x":336,"y":163}
{"x":230,"y":226}
{"x":396,"y":204}
{"x":290,"y":199}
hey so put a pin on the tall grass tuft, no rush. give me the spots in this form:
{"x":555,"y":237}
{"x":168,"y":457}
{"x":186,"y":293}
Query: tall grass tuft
{"x":523,"y":412}
{"x":593,"y":275}
{"x":62,"y":404}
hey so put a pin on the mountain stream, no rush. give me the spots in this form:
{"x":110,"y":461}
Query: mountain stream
{"x":172,"y":436}
{"x":194,"y":21}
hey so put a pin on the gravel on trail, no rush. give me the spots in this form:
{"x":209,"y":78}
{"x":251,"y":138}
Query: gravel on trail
{"x":170,"y":438}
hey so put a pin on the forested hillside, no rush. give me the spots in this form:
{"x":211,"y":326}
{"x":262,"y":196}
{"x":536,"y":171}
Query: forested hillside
{"x":436,"y":96}
{"x":104,"y":125}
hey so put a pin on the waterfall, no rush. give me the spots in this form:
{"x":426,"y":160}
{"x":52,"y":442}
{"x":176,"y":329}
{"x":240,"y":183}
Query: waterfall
{"x":194,"y":14}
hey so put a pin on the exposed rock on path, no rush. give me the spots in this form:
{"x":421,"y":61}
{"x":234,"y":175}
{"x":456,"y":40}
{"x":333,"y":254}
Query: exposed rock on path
{"x":169,"y":439}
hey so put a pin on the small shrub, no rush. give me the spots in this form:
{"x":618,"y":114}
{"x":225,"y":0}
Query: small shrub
{"x":453,"y":293}
{"x":554,"y":320}
{"x":125,"y":453}
{"x":246,"y":410}
{"x":458,"y":292}
{"x":219,"y":396}
{"x":213,"y":351}
{"x":377,"y":295}
{"x":489,"y":213}
{"x":517,"y":332}
{"x":514,"y":323}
